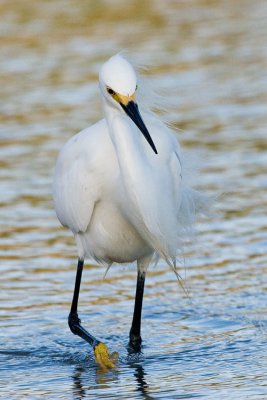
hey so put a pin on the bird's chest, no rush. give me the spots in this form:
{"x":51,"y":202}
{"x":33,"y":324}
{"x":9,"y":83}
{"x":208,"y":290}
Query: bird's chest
{"x":112,"y":237}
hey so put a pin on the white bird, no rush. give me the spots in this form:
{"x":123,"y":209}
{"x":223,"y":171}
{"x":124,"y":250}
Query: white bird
{"x":118,"y":186}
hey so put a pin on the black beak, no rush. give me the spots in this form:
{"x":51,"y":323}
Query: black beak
{"x":132,"y":111}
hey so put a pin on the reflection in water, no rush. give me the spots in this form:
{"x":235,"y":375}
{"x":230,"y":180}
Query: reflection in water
{"x":82,"y":387}
{"x":78,"y":390}
{"x":142,"y":385}
{"x":215,"y":87}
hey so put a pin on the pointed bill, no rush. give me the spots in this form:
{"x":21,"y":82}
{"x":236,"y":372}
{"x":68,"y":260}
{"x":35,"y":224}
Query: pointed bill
{"x":131,"y":109}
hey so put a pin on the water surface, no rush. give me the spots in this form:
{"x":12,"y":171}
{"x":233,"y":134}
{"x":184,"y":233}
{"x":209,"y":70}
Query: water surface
{"x":209,"y":60}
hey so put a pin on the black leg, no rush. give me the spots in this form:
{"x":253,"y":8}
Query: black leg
{"x":135,"y":332}
{"x":102,"y":356}
{"x":74,"y":321}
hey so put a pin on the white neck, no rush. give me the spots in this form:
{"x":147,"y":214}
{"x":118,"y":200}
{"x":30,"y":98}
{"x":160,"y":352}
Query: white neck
{"x":127,"y":141}
{"x":140,"y":180}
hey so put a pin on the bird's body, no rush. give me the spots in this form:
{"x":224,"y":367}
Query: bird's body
{"x":120,"y":208}
{"x":90,"y":199}
{"x":118,"y":186}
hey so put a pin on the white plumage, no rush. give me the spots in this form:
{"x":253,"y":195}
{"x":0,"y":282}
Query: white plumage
{"x":122,"y":201}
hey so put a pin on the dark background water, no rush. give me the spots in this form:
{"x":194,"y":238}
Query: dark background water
{"x":209,"y":59}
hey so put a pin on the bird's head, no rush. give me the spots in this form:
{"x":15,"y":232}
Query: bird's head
{"x":118,"y":86}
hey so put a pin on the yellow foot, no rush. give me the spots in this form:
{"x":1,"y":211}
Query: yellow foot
{"x":103,"y":358}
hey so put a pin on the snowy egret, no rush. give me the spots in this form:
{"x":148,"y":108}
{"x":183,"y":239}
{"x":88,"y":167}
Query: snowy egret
{"x":118,"y":187}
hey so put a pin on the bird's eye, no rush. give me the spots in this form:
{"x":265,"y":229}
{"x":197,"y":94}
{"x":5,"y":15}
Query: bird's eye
{"x":136,"y":87}
{"x":110,"y":91}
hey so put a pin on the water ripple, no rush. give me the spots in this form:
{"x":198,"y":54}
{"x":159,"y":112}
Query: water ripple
{"x":209,"y":345}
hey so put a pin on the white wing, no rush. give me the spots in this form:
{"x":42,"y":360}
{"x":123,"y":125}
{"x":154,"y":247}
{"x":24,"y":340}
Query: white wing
{"x":74,"y":198}
{"x":75,"y":186}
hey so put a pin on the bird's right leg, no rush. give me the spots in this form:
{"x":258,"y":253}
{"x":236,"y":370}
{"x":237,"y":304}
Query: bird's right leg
{"x":100,"y":349}
{"x":74,"y":321}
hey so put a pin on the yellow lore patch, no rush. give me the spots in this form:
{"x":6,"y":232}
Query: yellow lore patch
{"x":120,"y":98}
{"x":125,"y":99}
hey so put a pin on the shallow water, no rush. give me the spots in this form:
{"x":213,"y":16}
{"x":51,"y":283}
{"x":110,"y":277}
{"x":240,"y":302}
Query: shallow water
{"x":209,"y":58}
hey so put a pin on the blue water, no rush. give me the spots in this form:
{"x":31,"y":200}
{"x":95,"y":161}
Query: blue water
{"x":209,"y":60}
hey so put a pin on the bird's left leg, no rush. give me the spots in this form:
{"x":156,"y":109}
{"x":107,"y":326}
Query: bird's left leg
{"x":135,"y":331}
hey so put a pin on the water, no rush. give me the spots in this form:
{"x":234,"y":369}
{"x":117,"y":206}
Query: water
{"x":209,"y":58}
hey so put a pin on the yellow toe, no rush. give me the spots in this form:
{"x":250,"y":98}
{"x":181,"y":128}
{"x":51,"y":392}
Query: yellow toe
{"x":103,"y":358}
